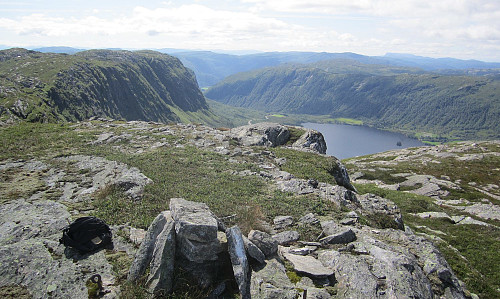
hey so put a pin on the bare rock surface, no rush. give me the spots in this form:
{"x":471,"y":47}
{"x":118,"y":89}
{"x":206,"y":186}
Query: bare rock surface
{"x":305,"y":264}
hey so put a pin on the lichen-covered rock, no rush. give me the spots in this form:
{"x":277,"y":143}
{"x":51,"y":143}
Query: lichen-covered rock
{"x":372,"y":204}
{"x":196,"y":230}
{"x":270,"y":281}
{"x":193,"y":220}
{"x":336,"y":234}
{"x":305,"y":264}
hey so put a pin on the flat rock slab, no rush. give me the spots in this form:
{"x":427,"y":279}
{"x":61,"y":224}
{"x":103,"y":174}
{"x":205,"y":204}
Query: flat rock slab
{"x":307,"y":264}
{"x":193,"y":220}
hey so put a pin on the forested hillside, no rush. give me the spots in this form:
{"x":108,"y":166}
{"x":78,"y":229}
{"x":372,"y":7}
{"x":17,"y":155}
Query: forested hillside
{"x":384,"y":96}
{"x":143,"y":85}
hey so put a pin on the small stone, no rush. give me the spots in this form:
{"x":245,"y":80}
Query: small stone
{"x":343,"y":237}
{"x":264,"y":242}
{"x":253,"y":251}
{"x":348,"y":221}
{"x":281,"y":222}
{"x":308,"y":219}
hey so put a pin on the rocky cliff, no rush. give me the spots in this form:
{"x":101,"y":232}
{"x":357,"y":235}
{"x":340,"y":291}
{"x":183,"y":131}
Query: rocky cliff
{"x":142,"y":85}
{"x":197,"y":211}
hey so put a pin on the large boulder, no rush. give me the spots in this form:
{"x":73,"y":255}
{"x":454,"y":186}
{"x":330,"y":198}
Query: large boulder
{"x":196,"y":230}
{"x":261,"y":134}
{"x":311,"y":140}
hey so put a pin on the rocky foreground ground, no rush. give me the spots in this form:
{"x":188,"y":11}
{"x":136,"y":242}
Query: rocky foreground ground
{"x":350,"y":258}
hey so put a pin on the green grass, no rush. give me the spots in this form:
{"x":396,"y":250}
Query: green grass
{"x":347,"y":121}
{"x":306,"y":165}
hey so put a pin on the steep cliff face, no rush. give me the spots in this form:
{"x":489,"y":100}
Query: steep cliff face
{"x":142,"y":85}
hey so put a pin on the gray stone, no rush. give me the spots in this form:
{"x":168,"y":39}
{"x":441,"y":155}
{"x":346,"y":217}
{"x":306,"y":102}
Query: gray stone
{"x":348,"y":221}
{"x":264,"y":242}
{"x":308,"y":219}
{"x":241,"y":270}
{"x":302,"y":250}
{"x":199,"y":252}
{"x":105,"y":172}
{"x":261,"y":134}
{"x":336,"y":234}
{"x":144,"y":255}
{"x":253,"y":251}
{"x":286,"y":237}
{"x":271,"y":282}
{"x":311,"y":140}
{"x":161,"y":274}
{"x":339,"y":172}
{"x":306,"y":265}
{"x":193,"y":220}
{"x":281,"y":222}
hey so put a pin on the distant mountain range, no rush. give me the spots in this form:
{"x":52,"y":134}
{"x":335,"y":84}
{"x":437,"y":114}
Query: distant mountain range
{"x":211,"y":67}
{"x":143,"y":85}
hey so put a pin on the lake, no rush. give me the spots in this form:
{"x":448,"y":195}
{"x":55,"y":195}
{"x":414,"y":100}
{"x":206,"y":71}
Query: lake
{"x":346,"y":141}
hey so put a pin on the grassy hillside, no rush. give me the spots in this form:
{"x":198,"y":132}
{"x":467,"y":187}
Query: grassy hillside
{"x":144,"y":85}
{"x":441,"y":106}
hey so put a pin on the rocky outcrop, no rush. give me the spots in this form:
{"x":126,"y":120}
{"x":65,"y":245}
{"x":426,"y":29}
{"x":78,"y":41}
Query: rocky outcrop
{"x":261,"y":134}
{"x":311,"y":140}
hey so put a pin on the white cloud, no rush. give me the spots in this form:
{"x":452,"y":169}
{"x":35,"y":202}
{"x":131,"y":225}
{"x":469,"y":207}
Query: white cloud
{"x":371,"y":27}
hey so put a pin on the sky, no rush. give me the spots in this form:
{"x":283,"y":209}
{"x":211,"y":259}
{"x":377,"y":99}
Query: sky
{"x":465,"y":29}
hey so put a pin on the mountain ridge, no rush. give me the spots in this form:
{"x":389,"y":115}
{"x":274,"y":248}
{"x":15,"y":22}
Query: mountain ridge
{"x":143,"y":85}
{"x":451,"y":106}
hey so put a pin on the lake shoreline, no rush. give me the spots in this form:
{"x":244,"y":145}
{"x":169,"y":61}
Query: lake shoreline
{"x":348,"y":141}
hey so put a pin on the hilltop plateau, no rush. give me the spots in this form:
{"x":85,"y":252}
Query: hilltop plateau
{"x":394,"y":224}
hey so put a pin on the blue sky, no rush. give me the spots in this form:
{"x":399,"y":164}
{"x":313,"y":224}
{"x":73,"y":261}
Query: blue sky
{"x":467,"y":29}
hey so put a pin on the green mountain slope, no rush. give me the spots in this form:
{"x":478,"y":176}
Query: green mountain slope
{"x":143,"y":85}
{"x":382,"y":96}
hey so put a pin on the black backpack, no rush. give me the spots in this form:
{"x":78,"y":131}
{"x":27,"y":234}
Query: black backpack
{"x":87,"y":234}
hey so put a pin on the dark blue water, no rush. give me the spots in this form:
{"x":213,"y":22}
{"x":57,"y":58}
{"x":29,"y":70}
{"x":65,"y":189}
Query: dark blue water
{"x":345,"y":141}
